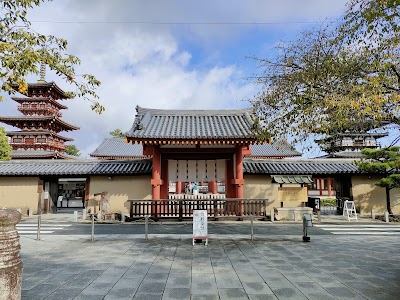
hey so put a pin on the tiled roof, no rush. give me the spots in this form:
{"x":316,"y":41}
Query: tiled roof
{"x":191,"y":124}
{"x":31,"y":132}
{"x":118,"y":149}
{"x":358,"y":134}
{"x":276,"y":149}
{"x":114,"y":148}
{"x":18,"y":154}
{"x":49,"y":85}
{"x":73,"y":168}
{"x":10,"y":120}
{"x":345,"y":154}
{"x":303,"y":167}
{"x":38,"y":99}
{"x":292,"y":179}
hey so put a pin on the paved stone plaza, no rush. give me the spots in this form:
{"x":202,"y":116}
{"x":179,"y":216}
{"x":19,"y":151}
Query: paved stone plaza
{"x":230,"y":267}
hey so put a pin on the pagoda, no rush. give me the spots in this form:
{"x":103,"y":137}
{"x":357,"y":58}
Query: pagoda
{"x":40,"y":124}
{"x":349,"y":144}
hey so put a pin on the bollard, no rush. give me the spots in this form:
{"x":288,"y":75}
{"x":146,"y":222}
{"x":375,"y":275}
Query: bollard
{"x":75,"y":216}
{"x":307,"y":222}
{"x":386,"y":217}
{"x":272,"y":216}
{"x":146,"y":228}
{"x":30,"y":212}
{"x":92,"y":238}
{"x":84,"y":216}
{"x":39,"y":225}
{"x":252,"y":227}
{"x":319,"y":216}
{"x":122,"y":218}
{"x":10,"y":261}
{"x":373,"y":214}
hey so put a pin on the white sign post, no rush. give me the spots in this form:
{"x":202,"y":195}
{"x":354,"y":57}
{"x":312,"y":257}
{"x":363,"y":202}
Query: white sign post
{"x":350,"y":210}
{"x":200,"y":225}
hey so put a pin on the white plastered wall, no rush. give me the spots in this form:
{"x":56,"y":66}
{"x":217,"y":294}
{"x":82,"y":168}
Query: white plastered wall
{"x":261,"y":187}
{"x":368,"y":196}
{"x":121,"y":189}
{"x":19,"y":192}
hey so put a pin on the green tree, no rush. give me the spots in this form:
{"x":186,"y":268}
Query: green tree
{"x":334,"y":77}
{"x":386,"y":162}
{"x":372,"y":20}
{"x":117,"y":133}
{"x":5,"y":148}
{"x":72,"y":150}
{"x":22,"y":50}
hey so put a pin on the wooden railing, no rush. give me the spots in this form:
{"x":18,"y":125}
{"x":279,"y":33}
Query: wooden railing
{"x":183,"y":208}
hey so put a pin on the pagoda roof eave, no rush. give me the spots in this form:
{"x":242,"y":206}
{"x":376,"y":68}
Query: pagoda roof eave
{"x":37,"y":99}
{"x":51,"y":84}
{"x":344,"y":134}
{"x":12,"y":120}
{"x":31,"y":154}
{"x":39,"y":133}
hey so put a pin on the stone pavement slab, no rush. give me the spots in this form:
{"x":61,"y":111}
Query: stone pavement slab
{"x":230,"y":267}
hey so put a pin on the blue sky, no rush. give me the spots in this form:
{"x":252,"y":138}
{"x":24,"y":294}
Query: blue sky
{"x":168,"y":54}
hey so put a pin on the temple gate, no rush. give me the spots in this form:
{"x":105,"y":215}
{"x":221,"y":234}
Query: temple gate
{"x":204,"y":148}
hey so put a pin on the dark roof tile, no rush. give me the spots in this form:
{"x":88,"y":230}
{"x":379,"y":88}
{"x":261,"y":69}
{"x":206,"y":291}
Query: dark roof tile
{"x":276,"y":149}
{"x":74,"y":168}
{"x":118,"y":148}
{"x":308,"y":167}
{"x":192,"y":124}
{"x":143,"y":166}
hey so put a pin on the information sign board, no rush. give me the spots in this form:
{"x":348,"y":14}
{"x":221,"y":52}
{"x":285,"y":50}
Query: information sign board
{"x":350,"y":209}
{"x":200,"y":225}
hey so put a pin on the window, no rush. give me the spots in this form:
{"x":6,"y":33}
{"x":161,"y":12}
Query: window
{"x":29,"y":140}
{"x":313,"y":185}
{"x":325,"y":185}
{"x":321,"y":187}
{"x":41,"y":140}
{"x":17,"y":140}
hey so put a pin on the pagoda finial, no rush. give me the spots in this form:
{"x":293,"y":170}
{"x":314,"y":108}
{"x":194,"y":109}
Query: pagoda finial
{"x":42,"y":72}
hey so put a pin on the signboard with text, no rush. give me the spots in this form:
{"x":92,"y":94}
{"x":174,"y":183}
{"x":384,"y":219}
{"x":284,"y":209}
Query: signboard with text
{"x":200,"y":225}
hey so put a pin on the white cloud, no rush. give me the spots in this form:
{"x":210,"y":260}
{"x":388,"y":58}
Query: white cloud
{"x":149,"y":65}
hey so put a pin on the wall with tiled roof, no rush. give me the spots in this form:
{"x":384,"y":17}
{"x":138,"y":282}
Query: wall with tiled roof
{"x":304,"y":167}
{"x":72,"y":168}
{"x":143,"y":166}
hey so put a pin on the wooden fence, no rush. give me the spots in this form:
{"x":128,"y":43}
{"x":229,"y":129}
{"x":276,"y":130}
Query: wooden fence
{"x":183,"y":208}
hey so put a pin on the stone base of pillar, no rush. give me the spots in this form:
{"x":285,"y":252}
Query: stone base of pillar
{"x":10,"y":261}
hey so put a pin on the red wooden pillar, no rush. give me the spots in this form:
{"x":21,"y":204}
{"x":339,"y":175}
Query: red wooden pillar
{"x":212,"y":187}
{"x":156,"y":181}
{"x":164,"y":179}
{"x":179,"y":187}
{"x":329,"y":186}
{"x":239,"y":181}
{"x":229,"y":188}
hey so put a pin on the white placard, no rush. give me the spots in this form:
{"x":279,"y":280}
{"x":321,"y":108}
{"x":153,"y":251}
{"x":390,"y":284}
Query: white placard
{"x":350,"y":210}
{"x":200,"y":225}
